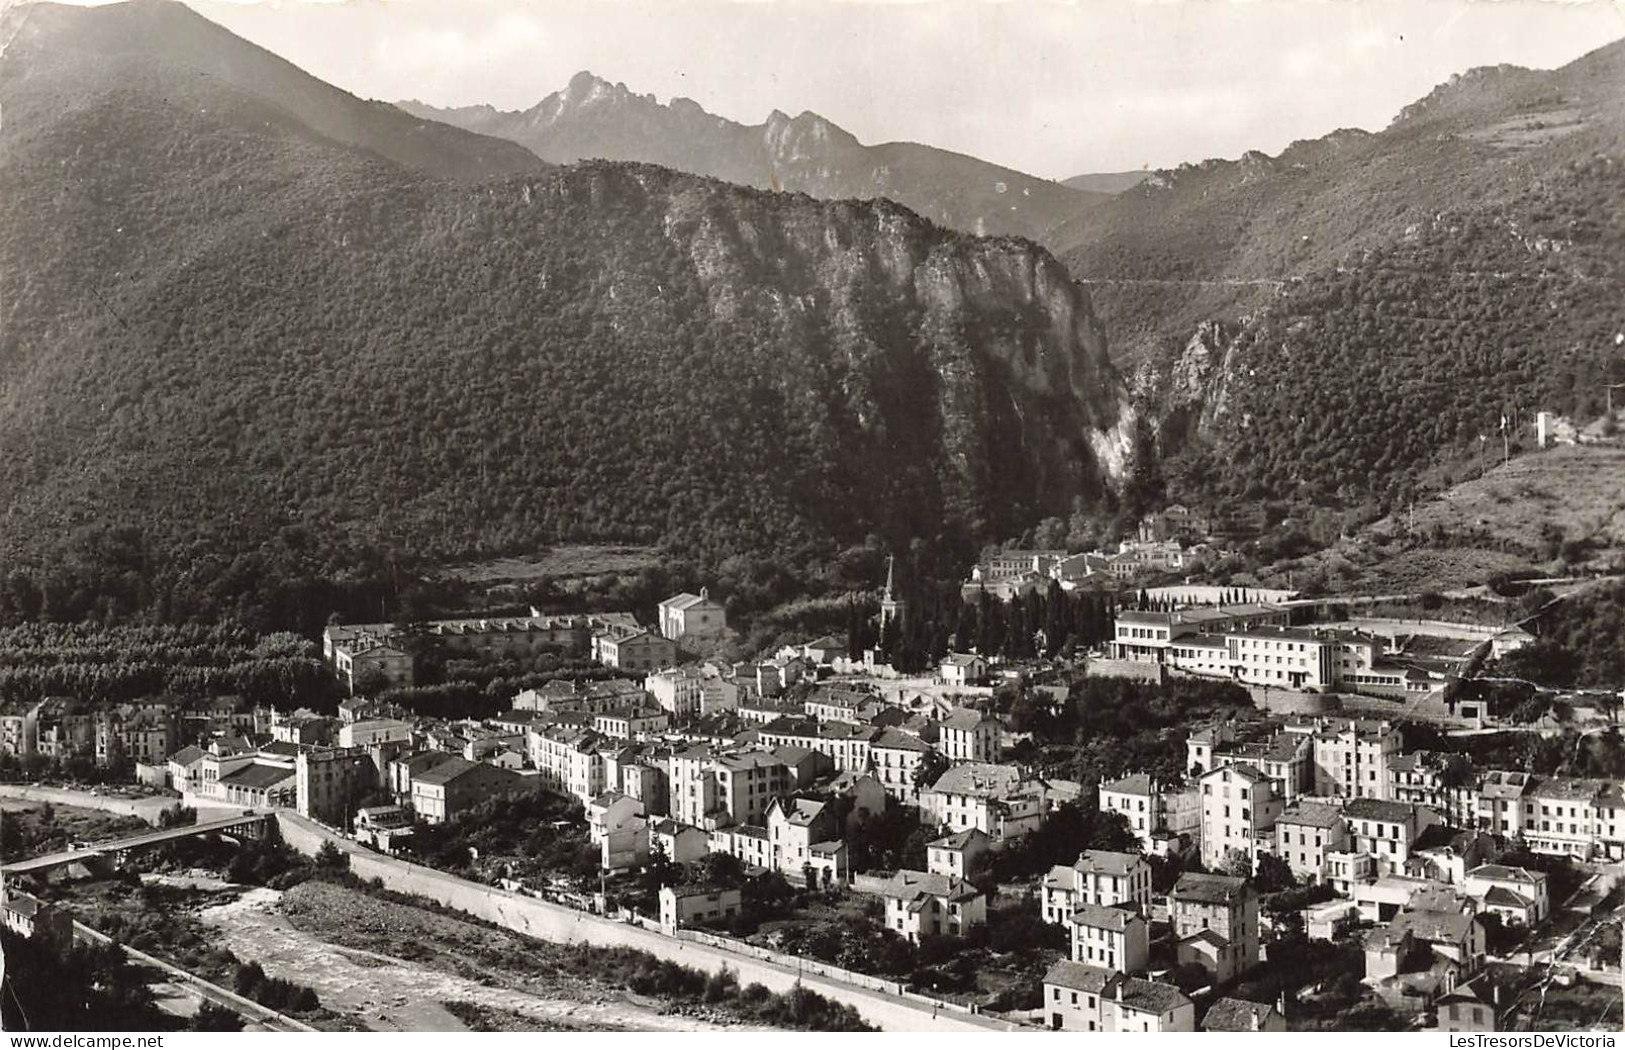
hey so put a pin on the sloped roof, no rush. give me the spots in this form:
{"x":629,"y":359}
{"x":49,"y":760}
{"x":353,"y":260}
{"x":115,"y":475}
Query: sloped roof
{"x":1133,"y":784}
{"x":1236,"y":1015}
{"x":1107,"y":862}
{"x":897,"y":740}
{"x":1505,"y":873}
{"x":257,"y":776}
{"x":1500,"y":896}
{"x":450,"y":770}
{"x":983,"y":779}
{"x":1379,"y":809}
{"x":964,"y":719}
{"x":1152,"y":997}
{"x":1101,"y":917}
{"x":1209,"y":889}
{"x":188,"y":756}
{"x":910,"y":885}
{"x":1079,"y":976}
{"x":1312,"y":814}
{"x":1213,"y":937}
{"x":961,"y":839}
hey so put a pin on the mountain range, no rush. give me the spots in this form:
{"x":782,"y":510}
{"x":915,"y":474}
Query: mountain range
{"x":592,"y":118}
{"x":245,"y":311}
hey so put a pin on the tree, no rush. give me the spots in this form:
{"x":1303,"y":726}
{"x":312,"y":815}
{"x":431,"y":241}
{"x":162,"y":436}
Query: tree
{"x":932,"y":765}
{"x":1273,"y":874}
{"x":332,"y":858}
{"x":213,"y":1018}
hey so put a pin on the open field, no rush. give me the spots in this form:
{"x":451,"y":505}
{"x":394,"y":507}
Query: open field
{"x":559,"y":563}
{"x":1555,"y":511}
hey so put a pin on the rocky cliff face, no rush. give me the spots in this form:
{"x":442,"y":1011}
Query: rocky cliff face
{"x":592,"y":118}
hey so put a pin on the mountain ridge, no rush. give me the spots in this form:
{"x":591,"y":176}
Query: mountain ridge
{"x":594,"y":118}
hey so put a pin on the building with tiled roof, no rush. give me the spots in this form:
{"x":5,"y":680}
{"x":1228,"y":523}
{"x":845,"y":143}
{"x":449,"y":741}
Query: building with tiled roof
{"x":1215,"y":923}
{"x":955,"y":854}
{"x":1305,"y":833}
{"x":1521,"y":897}
{"x":1242,"y":1015}
{"x":922,"y":903}
{"x":1116,"y":938}
{"x":1097,"y":877}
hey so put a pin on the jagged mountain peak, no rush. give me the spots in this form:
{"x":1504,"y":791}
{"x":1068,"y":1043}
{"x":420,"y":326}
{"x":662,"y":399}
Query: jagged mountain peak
{"x":808,"y":153}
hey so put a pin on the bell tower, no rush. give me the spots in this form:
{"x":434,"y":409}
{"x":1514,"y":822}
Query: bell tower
{"x":891,"y":607}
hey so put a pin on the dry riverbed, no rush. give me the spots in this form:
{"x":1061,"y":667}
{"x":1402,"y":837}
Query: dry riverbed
{"x":393,"y":967}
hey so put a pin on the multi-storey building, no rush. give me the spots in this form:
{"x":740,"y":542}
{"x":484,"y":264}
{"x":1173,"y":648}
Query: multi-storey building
{"x":1352,"y":757}
{"x":955,"y":854}
{"x":996,"y":799}
{"x":804,"y":842}
{"x":331,"y":782}
{"x":1286,"y":758}
{"x":1253,"y":645}
{"x":969,"y":736}
{"x":448,"y":789}
{"x":1163,"y":816}
{"x":693,"y":616}
{"x":1305,"y":833}
{"x":1518,"y":895}
{"x":1083,"y":998}
{"x":842,"y":704}
{"x":1443,"y":782}
{"x":375,"y":731}
{"x":1215,"y":923}
{"x":19,"y":732}
{"x":134,"y":733}
{"x":1115,"y":938}
{"x":1239,"y":806}
{"x":632,"y":649}
{"x":1098,"y":877}
{"x":567,"y":759}
{"x":894,"y":759}
{"x":1387,"y":831}
{"x":923,"y":904}
{"x":63,"y":728}
{"x":678,"y":691}
{"x":846,"y":745}
{"x":630,"y":723}
{"x":1560,"y":816}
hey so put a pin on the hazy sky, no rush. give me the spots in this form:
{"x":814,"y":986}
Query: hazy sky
{"x":1047,"y":87}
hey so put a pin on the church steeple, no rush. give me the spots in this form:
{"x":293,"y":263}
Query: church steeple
{"x":891,"y":607}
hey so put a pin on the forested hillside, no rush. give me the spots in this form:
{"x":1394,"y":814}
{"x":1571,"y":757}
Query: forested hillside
{"x":1353,"y":381}
{"x":1331,"y":324}
{"x":227,"y":336}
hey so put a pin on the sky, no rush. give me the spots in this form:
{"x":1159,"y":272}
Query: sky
{"x":1044,"y":86}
